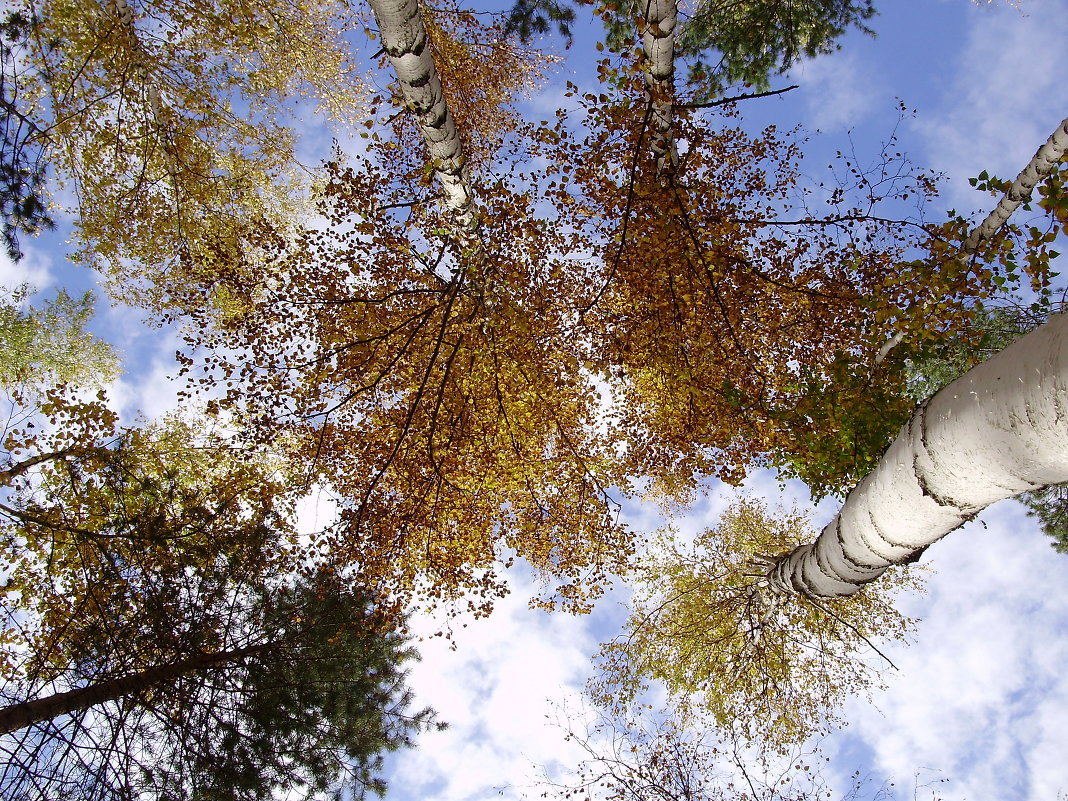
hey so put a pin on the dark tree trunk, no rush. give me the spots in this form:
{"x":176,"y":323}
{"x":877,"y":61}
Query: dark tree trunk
{"x":19,"y":716}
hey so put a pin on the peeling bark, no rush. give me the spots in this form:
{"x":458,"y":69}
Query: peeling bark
{"x":404,"y":38}
{"x":999,"y":430}
{"x":656,"y":26}
{"x":1040,"y":166}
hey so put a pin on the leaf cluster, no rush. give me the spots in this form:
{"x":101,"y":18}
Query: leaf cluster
{"x":727,"y":44}
{"x":306,"y":702}
{"x":455,"y":425}
{"x":729,"y":651}
{"x":172,"y":126}
{"x":737,"y":309}
{"x":166,"y":554}
{"x":51,"y":344}
{"x":109,"y":528}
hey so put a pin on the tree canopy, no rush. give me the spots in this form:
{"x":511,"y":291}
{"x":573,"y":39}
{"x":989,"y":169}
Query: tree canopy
{"x":751,"y":662}
{"x":305,"y":696}
{"x":162,"y":634}
{"x":481,"y":332}
{"x":51,"y":345}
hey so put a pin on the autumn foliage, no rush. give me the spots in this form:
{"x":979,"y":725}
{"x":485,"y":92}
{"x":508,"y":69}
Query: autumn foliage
{"x":733,"y":653}
{"x":471,"y":404}
{"x":488,"y":386}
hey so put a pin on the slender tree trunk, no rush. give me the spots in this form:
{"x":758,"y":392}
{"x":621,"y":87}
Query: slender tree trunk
{"x":656,"y":26}
{"x":1040,"y":166}
{"x":19,"y":716}
{"x":125,"y":14}
{"x":406,"y":43}
{"x":998,"y":430}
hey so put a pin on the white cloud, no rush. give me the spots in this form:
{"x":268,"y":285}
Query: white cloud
{"x":1004,"y":96}
{"x":148,"y":389}
{"x":981,"y":694}
{"x":150,"y":393}
{"x":841,"y":90}
{"x":35,"y":269}
{"x":979,"y":700}
{"x":496,"y":690}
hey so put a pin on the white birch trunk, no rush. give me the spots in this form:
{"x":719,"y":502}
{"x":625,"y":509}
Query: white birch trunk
{"x":998,"y":430}
{"x":125,"y":14}
{"x":405,"y":41}
{"x":1040,"y":166}
{"x":656,"y":26}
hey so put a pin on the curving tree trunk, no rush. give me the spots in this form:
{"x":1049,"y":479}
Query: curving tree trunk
{"x":19,"y":716}
{"x":999,"y":430}
{"x":405,"y":40}
{"x":656,"y":26}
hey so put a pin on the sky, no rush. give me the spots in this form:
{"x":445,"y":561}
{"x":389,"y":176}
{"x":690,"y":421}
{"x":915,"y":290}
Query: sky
{"x":978,"y":707}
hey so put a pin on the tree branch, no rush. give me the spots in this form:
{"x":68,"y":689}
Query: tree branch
{"x":725,"y":100}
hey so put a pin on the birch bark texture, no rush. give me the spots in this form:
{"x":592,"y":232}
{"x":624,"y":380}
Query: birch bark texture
{"x":656,"y":25}
{"x":1041,"y":164}
{"x":999,"y":430}
{"x":405,"y":41}
{"x":125,"y":14}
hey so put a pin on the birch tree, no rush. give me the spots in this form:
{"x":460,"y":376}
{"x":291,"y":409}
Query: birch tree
{"x":768,"y":645}
{"x":726,"y":44}
{"x":405,"y":40}
{"x":998,"y":431}
{"x":421,"y":358}
{"x":656,"y":26}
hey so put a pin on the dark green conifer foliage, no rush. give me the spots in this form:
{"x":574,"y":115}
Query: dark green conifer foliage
{"x":308,"y":705}
{"x":724,"y":42}
{"x":746,"y":43}
{"x":22,"y":169}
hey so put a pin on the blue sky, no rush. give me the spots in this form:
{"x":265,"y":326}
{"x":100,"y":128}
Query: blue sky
{"x":981,"y":696}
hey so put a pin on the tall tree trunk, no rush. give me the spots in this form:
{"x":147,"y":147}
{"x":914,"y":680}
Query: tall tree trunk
{"x":406,"y":43}
{"x":656,"y":26}
{"x":1040,"y":166}
{"x":999,"y":430}
{"x":19,"y":716}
